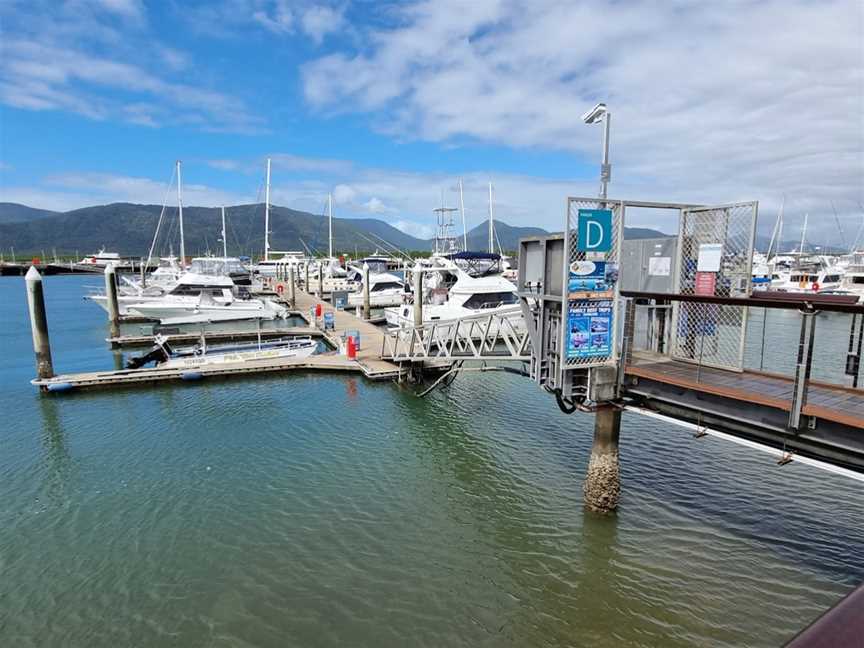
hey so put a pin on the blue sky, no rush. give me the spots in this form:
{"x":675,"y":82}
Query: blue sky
{"x":387,"y":105}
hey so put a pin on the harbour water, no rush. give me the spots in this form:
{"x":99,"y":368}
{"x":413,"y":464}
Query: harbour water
{"x":322,"y":510}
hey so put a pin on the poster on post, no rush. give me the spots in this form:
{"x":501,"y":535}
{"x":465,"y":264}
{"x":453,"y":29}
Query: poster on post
{"x":589,"y":329}
{"x":589,"y":279}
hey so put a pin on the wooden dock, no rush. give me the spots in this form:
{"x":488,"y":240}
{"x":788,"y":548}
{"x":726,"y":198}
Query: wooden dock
{"x":368,"y":361}
{"x":371,"y":337}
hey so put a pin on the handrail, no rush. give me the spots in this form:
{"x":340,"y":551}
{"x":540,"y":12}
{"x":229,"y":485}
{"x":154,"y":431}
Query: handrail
{"x":791,"y":301}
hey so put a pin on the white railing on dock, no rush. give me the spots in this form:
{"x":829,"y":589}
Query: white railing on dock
{"x":500,"y":335}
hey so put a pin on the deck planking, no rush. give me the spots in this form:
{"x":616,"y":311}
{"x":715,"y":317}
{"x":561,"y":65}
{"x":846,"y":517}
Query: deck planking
{"x":832,"y":402}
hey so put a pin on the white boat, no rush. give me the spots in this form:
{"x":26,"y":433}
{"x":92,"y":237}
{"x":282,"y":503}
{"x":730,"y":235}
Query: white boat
{"x":189,"y":285}
{"x":853,"y":279}
{"x":267,"y":268}
{"x":811,"y":277}
{"x":99,"y":261}
{"x":467,"y":296}
{"x":206,"y":306}
{"x":385,"y":289}
{"x":202,"y":356}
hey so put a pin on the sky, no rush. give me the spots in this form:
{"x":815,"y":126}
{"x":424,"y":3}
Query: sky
{"x":387,"y":105}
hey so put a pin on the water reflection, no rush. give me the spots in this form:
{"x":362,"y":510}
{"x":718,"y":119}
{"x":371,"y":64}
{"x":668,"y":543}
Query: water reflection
{"x":57,"y":461}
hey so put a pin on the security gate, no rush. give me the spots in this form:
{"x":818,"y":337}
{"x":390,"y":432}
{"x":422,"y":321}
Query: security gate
{"x":715,"y":248}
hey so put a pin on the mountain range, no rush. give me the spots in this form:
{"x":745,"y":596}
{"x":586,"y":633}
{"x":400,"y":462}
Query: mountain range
{"x":128,"y":229}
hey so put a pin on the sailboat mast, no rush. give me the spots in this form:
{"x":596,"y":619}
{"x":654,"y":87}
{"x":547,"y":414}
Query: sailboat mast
{"x":224,"y":237}
{"x":491,"y":223}
{"x":464,"y":226}
{"x":267,"y":215}
{"x":803,"y":234}
{"x":776,"y":233}
{"x":330,"y":223}
{"x":180,"y":210}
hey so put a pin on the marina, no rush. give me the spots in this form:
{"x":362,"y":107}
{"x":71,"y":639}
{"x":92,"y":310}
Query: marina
{"x":348,"y":324}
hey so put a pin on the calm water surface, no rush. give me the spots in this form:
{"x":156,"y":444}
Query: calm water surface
{"x":323,"y":510}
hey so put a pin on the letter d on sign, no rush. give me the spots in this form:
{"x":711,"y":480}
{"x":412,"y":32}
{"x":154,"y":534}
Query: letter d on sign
{"x":594,"y":230}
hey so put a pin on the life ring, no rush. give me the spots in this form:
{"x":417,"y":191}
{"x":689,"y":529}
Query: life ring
{"x":815,"y":286}
{"x":280,"y":288}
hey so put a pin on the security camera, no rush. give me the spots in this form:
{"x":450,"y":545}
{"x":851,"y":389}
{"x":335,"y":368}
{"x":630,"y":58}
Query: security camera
{"x":594,"y":115}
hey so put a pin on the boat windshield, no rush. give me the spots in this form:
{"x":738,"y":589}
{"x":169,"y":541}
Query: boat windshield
{"x":480,"y":301}
{"x":216,"y":266}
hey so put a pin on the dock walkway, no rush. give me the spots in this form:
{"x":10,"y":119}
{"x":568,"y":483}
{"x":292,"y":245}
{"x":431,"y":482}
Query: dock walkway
{"x":368,"y":361}
{"x":371,"y":337}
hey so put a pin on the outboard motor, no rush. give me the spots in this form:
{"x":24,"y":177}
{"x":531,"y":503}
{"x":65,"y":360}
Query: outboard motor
{"x":158,"y":354}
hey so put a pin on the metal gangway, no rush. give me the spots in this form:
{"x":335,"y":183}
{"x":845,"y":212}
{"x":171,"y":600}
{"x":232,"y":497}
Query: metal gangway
{"x":498,"y":335}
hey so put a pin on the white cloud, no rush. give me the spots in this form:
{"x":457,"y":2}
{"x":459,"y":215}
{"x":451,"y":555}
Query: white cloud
{"x":277,"y":18}
{"x":711,"y":102}
{"x":67,"y":191}
{"x":416,"y":230}
{"x":71,"y":58}
{"x":344,"y":194}
{"x":319,"y":21}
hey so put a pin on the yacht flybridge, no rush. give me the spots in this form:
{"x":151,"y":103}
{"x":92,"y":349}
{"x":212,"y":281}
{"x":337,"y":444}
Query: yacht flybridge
{"x":467,"y":296}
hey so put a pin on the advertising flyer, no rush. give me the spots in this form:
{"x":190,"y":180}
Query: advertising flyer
{"x":589,"y":329}
{"x":587,"y":278}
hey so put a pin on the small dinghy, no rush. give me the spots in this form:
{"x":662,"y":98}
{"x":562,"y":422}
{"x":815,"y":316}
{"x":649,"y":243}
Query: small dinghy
{"x":203,"y":356}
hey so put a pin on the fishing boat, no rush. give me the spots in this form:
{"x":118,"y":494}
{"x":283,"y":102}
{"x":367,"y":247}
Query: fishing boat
{"x":468,"y":296}
{"x":853,"y":279}
{"x":203,"y":356}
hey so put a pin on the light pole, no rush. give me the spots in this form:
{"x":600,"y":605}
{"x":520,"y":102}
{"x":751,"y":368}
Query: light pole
{"x":595,"y":115}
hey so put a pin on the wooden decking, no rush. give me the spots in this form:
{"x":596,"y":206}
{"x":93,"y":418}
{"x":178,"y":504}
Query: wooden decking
{"x":832,"y":402}
{"x":368,"y":361}
{"x":371,"y":337}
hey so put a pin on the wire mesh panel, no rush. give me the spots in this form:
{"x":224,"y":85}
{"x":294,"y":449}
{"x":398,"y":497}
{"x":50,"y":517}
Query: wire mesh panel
{"x":593,"y":235}
{"x":715,"y":257}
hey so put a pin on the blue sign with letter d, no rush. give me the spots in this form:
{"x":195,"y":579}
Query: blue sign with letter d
{"x":594,"y":230}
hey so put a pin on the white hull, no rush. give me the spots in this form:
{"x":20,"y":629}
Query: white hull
{"x":179,"y":310}
{"x":209,"y":360}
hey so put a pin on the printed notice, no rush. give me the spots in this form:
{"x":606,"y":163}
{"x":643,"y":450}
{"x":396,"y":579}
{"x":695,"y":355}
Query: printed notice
{"x":589,"y":329}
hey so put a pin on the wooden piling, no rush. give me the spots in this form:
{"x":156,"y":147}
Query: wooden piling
{"x":111,"y":301}
{"x":366,"y":306}
{"x":321,"y":281}
{"x":39,"y":323}
{"x":292,"y":288}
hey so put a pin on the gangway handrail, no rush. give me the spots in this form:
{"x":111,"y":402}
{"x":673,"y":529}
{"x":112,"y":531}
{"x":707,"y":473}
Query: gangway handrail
{"x":800,"y":301}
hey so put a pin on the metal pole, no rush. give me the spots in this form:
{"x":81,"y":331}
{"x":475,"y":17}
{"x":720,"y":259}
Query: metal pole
{"x":605,"y":167}
{"x":39,"y":323}
{"x":224,"y":237}
{"x":180,"y":213}
{"x":111,"y":301}
{"x":418,"y":295}
{"x":366,"y":306}
{"x":291,"y":288}
{"x":267,"y":215}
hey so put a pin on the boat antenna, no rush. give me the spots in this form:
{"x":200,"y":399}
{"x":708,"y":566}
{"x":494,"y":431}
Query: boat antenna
{"x":267,"y":214}
{"x":462,"y":209}
{"x":180,"y":211}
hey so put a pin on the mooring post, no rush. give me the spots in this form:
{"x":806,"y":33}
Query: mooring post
{"x":603,"y":483}
{"x":366,"y":305}
{"x":39,"y":323}
{"x":418,"y":295}
{"x":306,"y":282}
{"x":321,"y":281}
{"x":111,"y":301}
{"x":291,"y":294}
